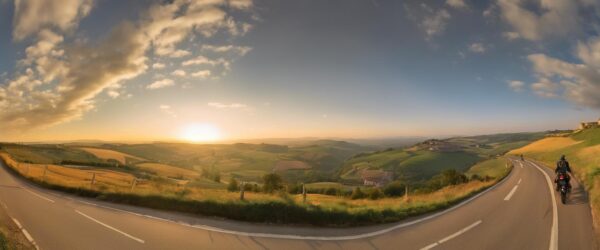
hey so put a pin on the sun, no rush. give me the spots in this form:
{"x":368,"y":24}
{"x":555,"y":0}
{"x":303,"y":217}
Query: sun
{"x":201,"y":132}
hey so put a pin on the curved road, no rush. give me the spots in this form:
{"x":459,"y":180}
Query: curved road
{"x":518,"y":213}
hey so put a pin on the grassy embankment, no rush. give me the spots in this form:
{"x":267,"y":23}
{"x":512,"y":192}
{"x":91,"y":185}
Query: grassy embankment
{"x":258,"y":207}
{"x":582,"y":150}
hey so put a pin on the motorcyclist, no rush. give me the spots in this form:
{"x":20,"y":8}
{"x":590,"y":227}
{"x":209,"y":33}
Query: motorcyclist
{"x":562,"y":167}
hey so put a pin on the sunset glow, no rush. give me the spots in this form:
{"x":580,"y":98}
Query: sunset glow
{"x":201,"y":132}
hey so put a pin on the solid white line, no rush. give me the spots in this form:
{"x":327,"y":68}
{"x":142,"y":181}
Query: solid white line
{"x":109,"y":227}
{"x":452,"y":236}
{"x":510,"y":194}
{"x":40,"y":196}
{"x":554,"y":231}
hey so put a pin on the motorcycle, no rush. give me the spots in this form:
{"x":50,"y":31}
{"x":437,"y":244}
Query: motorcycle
{"x":562,"y":187}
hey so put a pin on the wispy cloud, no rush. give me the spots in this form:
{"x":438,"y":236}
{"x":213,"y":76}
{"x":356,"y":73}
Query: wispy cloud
{"x":477,"y":48}
{"x":161,"y":84}
{"x":227,"y":106}
{"x":516,"y":86}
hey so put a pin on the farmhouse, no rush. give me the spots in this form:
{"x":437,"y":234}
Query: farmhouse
{"x":377,"y":178}
{"x":587,"y":125}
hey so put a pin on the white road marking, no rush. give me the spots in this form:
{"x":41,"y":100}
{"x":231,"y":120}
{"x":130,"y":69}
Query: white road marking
{"x":521,"y":164}
{"x":554,"y":231}
{"x":510,"y":194}
{"x":40,"y":196}
{"x":519,"y":181}
{"x":27,"y":235}
{"x":452,"y":236}
{"x":110,"y":227}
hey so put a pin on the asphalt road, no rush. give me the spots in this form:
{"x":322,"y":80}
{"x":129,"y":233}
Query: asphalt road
{"x":518,"y":213}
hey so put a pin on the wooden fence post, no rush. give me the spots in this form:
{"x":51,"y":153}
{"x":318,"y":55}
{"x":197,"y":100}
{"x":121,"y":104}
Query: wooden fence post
{"x":133,"y":183}
{"x":242,"y":190}
{"x":406,"y":192}
{"x":303,"y":193}
{"x":45,"y":170}
{"x":93,"y":179}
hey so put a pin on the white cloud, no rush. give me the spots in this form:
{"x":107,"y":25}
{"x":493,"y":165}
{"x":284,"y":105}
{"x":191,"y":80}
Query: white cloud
{"x":178,"y":72}
{"x":113,"y":93}
{"x":167,"y":110}
{"x":179,"y":53}
{"x":576,"y":82}
{"x":240,"y":50}
{"x":477,"y":48}
{"x":509,"y":35}
{"x":158,"y":66}
{"x":459,"y":4}
{"x":202,"y":74}
{"x":227,"y":106}
{"x":58,"y":79}
{"x":516,"y":86}
{"x":161,"y":84}
{"x":554,"y":18}
{"x":33,"y":16}
{"x":435,"y":23}
{"x":200,"y":60}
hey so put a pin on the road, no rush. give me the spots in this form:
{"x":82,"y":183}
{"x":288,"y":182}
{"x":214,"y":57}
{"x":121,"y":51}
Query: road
{"x":518,"y":213}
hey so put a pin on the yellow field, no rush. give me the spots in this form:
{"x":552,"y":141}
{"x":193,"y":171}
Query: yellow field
{"x":546,"y":144}
{"x":168,"y":171}
{"x":108,"y":154}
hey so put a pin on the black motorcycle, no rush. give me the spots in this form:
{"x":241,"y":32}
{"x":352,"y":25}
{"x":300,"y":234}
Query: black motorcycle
{"x":563,"y":187}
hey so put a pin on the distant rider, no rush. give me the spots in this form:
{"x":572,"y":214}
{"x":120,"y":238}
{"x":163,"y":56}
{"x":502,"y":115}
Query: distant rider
{"x":562,"y":167}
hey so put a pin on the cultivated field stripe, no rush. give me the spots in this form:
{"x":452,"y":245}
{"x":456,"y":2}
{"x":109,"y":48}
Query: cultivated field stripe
{"x":110,"y":227}
{"x":38,"y":195}
{"x":452,"y":236}
{"x":554,"y":231}
{"x":510,"y":194}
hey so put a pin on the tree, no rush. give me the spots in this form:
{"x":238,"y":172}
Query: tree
{"x":233,"y":185}
{"x":272,"y":182}
{"x":357,"y":194}
{"x":394,"y":189}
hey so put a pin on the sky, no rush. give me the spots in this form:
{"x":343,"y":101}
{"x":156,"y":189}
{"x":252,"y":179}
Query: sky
{"x":213,"y":70}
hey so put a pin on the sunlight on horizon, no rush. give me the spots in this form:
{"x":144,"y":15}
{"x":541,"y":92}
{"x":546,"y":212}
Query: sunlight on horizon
{"x":200,"y":132}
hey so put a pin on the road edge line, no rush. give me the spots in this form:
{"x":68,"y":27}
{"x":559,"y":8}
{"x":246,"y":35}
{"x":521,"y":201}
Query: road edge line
{"x":554,"y":231}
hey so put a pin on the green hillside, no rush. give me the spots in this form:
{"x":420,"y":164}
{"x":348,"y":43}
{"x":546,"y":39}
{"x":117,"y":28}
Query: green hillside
{"x":426,"y":159}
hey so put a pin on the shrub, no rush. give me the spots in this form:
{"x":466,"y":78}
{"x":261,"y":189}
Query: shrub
{"x":375,"y":194}
{"x":233,"y":185}
{"x":357,"y":194}
{"x":394,"y":189}
{"x":272,"y":182}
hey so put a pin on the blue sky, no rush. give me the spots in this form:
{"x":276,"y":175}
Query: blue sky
{"x":251,"y":69}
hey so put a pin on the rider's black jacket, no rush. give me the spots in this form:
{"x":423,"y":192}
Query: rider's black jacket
{"x":562,"y":166}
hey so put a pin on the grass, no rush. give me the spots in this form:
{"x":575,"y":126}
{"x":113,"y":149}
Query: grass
{"x":320,"y":210}
{"x":582,"y":150}
{"x":494,"y":168}
{"x":107,"y":154}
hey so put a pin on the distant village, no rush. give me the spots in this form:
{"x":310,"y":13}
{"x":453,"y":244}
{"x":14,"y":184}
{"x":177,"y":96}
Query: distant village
{"x":588,"y":125}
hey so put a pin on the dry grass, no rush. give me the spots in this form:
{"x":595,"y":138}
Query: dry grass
{"x":108,"y":154}
{"x":168,"y":171}
{"x":546,"y":144}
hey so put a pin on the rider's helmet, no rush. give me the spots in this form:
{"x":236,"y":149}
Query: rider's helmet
{"x":562,"y":157}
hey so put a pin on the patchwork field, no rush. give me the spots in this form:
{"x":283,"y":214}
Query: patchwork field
{"x":107,"y":154}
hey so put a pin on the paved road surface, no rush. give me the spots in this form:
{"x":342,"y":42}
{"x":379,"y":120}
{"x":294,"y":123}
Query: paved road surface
{"x":518,"y":213}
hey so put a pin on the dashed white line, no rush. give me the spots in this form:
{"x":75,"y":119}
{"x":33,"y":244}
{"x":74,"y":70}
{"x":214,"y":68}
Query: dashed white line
{"x":521,"y":164}
{"x":452,"y":236}
{"x":509,"y":195}
{"x":554,"y":231}
{"x":110,"y":227}
{"x":38,"y":195}
{"x":519,"y":181}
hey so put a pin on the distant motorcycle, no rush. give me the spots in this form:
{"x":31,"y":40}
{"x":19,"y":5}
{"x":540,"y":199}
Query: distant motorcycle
{"x":563,"y":187}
